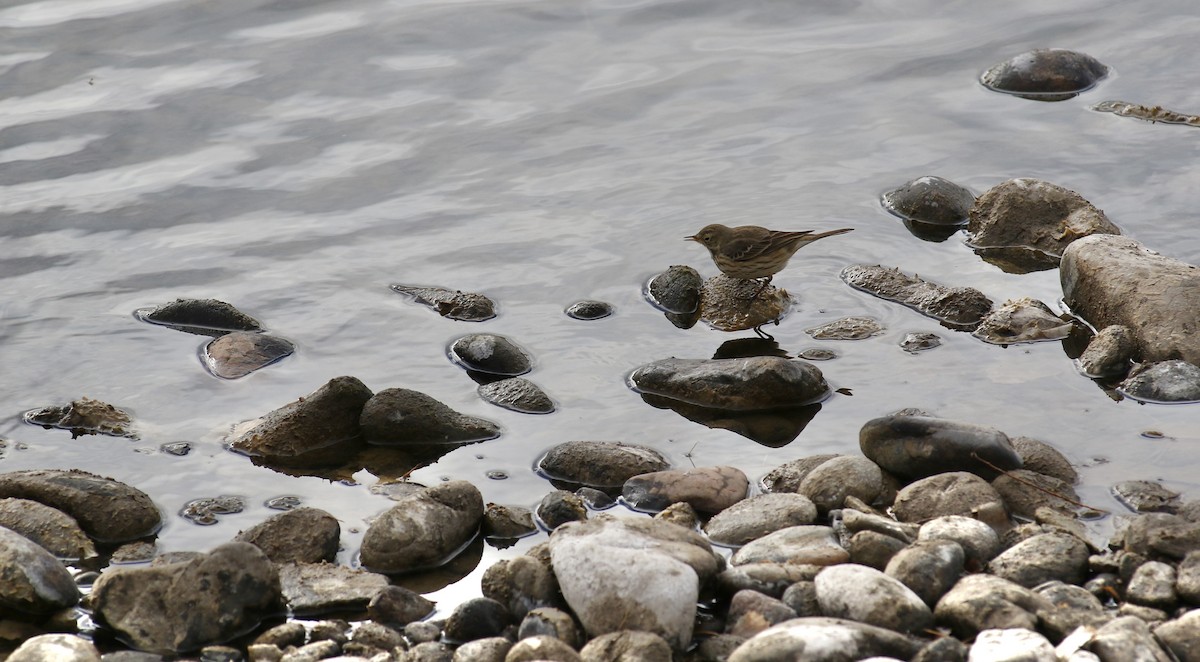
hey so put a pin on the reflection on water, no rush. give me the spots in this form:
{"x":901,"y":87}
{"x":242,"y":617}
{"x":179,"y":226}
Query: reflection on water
{"x":296,"y":159}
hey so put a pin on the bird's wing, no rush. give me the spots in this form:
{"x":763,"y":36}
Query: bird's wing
{"x":748,"y":245}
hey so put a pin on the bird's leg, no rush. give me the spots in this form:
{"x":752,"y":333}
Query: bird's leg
{"x":763,"y":288}
{"x":758,"y":331}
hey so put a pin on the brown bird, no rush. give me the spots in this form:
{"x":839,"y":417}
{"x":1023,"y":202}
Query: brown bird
{"x":750,"y":252}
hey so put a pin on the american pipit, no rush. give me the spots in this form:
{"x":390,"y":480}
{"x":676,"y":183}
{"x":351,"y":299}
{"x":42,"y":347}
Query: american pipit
{"x":750,"y":252}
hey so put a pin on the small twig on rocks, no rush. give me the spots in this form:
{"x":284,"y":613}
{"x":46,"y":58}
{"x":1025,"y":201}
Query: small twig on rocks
{"x":1038,"y":487}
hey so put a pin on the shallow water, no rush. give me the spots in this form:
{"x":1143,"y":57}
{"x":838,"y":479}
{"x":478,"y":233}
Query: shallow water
{"x":296,"y":158}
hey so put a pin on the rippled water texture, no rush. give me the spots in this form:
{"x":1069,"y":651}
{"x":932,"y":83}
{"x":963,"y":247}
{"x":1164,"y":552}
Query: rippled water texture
{"x":297,"y":158}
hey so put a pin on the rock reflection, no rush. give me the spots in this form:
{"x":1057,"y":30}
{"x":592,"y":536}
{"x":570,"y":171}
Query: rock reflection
{"x":772,"y":428}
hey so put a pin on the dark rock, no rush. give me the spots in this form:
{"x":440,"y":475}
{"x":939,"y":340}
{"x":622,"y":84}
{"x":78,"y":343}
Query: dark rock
{"x":942,"y":649}
{"x":451,"y":304}
{"x":707,"y":489}
{"x":824,"y":639}
{"x":802,"y":598}
{"x":490,"y":354}
{"x":184,"y":606}
{"x":928,"y":567}
{"x":107,"y":510}
{"x":317,"y":588}
{"x":866,"y":595}
{"x":205,"y":317}
{"x":303,"y":535}
{"x":759,"y":515}
{"x":954,"y":493}
{"x":815,"y":545}
{"x":1042,"y":558}
{"x":49,"y":528}
{"x":773,"y":428}
{"x":817,"y":354}
{"x":604,"y":465}
{"x":732,"y":304}
{"x":676,"y":290}
{"x":751,"y":612}
{"x":1109,"y":352}
{"x":177,"y":448}
{"x":317,"y":650}
{"x":517,"y":394}
{"x":920,"y":446}
{"x":522,"y":584}
{"x":1024,"y":492}
{"x":378,"y":636}
{"x":1115,"y":280}
{"x":787,"y":477}
{"x":551,"y":622}
{"x":541,"y":649}
{"x":764,"y":382}
{"x":930,"y":199}
{"x":589,"y":310}
{"x":627,"y":645}
{"x":423,"y":632}
{"x":872,"y":549}
{"x":559,"y":507}
{"x":220,"y":654}
{"x":1045,"y":74}
{"x":204,"y":511}
{"x":46,"y":647}
{"x":983,"y":602}
{"x":595,"y":499}
{"x":396,"y":606}
{"x":1022,"y":320}
{"x":956,"y":307}
{"x":847,"y":328}
{"x":477,"y":618}
{"x":240,"y":353}
{"x":829,"y":483}
{"x":84,"y":416}
{"x":920,"y":342}
{"x":316,"y":430}
{"x":1045,"y":459}
{"x":35,"y":583}
{"x":1162,"y":535}
{"x":423,"y":530}
{"x":507,"y":521}
{"x":400,"y":416}
{"x":1165,"y":381}
{"x":1143,"y":496}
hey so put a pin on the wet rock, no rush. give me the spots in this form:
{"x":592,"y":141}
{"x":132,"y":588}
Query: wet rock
{"x":788,"y":476}
{"x":315,"y":430}
{"x":872,"y":549}
{"x":817,"y":354}
{"x":1143,"y":496}
{"x":317,"y":650}
{"x":920,"y":342}
{"x":240,"y":353}
{"x":1012,"y":644}
{"x":1156,"y":114}
{"x":49,"y":528}
{"x":732,"y":304}
{"x":589,"y":310}
{"x":676,"y":290}
{"x":1042,"y":558}
{"x":847,"y":328}
{"x":184,"y":606}
{"x":517,"y":394}
{"x":401,"y":416}
{"x":378,"y":636}
{"x":707,"y":489}
{"x":204,"y":511}
{"x":451,"y":304}
{"x":1153,"y":585}
{"x":84,"y":416}
{"x":831,"y":482}
{"x":953,"y":493}
{"x":490,"y":354}
{"x":931,"y":200}
{"x":491,"y":649}
{"x":302,"y":535}
{"x":1024,"y":492}
{"x":396,"y":606}
{"x":679,"y":513}
{"x":1109,"y":353}
{"x":824,"y":640}
{"x":552,"y":622}
{"x":866,"y":595}
{"x":477,"y":618}
{"x":507,"y":521}
{"x":35,"y":583}
{"x":1022,"y":320}
{"x":614,"y":572}
{"x":423,"y":530}
{"x":1045,"y":459}
{"x":541,"y":649}
{"x":1162,"y":534}
{"x":318,"y":588}
{"x":627,"y":645}
{"x":759,"y":515}
{"x":522,"y":584}
{"x":283,"y":635}
{"x":1115,"y":280}
{"x":1165,"y":381}
{"x":604,"y":465}
{"x":107,"y":510}
{"x":1045,"y":74}
{"x":176,"y":448}
{"x":1127,"y":638}
{"x":1180,"y":636}
{"x":928,"y":567}
{"x":984,"y":602}
{"x":814,"y":545}
{"x":764,"y":382}
{"x":770,"y":579}
{"x":205,"y":317}
{"x":595,"y":499}
{"x":55,"y":647}
{"x":559,"y":507}
{"x":1074,"y":606}
{"x":751,"y":612}
{"x":956,"y":307}
{"x":1026,"y":224}
{"x":919,"y":446}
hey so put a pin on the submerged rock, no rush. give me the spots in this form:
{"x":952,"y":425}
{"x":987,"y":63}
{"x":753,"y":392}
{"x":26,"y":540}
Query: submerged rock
{"x":930,"y":200}
{"x":400,"y":416}
{"x":956,"y":307}
{"x":920,"y":342}
{"x":490,"y":354}
{"x":1026,"y":224}
{"x":919,"y":446}
{"x":733,"y":304}
{"x":1045,"y":74}
{"x":204,"y":317}
{"x":1143,"y":496}
{"x":1022,"y":320}
{"x":423,"y":530}
{"x":1115,"y":280}
{"x":589,"y":310}
{"x":517,"y":394}
{"x":847,"y":328}
{"x":317,"y":430}
{"x":108,"y":510}
{"x":1156,"y":114}
{"x":604,"y":465}
{"x":204,"y":511}
{"x":676,"y":290}
{"x":763,"y":382}
{"x":451,"y":304}
{"x":84,"y":416}
{"x":1165,"y":381}
{"x":240,"y":353}
{"x":35,"y":583}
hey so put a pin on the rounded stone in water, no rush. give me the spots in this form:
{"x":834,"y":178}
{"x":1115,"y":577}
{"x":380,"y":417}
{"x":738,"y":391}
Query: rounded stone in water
{"x":490,"y":353}
{"x":204,"y":511}
{"x":930,"y":199}
{"x":1045,"y":74}
{"x":589,"y":310}
{"x":517,"y":394}
{"x":676,"y":290}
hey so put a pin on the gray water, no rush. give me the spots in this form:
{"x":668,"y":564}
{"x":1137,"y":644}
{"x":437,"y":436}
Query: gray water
{"x":295,"y":158}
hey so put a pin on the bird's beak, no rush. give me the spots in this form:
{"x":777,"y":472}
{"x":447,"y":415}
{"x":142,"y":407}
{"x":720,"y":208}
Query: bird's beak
{"x":691,"y":238}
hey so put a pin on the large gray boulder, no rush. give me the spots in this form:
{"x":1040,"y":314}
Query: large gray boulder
{"x":34,"y":582}
{"x":745,"y":384}
{"x":106,"y":509}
